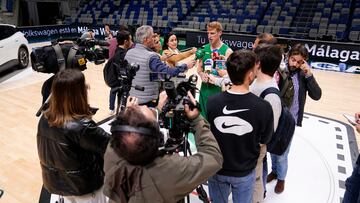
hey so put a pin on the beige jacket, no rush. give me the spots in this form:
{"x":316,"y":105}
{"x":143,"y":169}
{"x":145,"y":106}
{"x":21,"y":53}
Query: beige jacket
{"x":171,"y":61}
{"x":169,"y":178}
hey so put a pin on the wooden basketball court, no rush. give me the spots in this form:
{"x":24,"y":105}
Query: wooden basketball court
{"x":20,"y":174}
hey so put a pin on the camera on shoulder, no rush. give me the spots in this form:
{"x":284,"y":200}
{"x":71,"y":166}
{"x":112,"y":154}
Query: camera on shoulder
{"x":72,"y":53}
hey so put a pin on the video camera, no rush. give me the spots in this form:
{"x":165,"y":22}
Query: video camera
{"x":72,"y":53}
{"x":125,"y":75}
{"x":172,"y":116}
{"x":128,"y":71}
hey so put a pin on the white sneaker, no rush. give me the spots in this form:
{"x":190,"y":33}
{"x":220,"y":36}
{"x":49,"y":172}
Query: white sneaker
{"x":111,"y":112}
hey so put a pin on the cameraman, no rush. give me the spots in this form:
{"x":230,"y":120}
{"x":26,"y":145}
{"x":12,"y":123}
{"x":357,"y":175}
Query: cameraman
{"x":113,"y":44}
{"x":149,"y":62}
{"x":90,"y":34}
{"x":135,"y":170}
{"x":125,"y":42}
{"x":108,"y":33}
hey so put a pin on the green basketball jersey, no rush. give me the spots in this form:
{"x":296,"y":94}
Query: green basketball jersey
{"x":208,"y":89}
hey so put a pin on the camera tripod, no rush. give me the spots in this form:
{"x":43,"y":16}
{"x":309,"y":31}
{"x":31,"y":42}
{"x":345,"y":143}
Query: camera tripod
{"x":182,"y":145}
{"x":122,"y":92}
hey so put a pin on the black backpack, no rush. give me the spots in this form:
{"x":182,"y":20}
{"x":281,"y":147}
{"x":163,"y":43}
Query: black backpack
{"x":286,"y":87}
{"x":281,"y":138}
{"x":111,"y":73}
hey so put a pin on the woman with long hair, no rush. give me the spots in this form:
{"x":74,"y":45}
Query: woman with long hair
{"x":70,"y":144}
{"x":172,"y":52}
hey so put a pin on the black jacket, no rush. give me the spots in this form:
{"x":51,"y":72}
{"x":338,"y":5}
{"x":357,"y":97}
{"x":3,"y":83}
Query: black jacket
{"x":310,"y":86}
{"x":119,"y":54}
{"x":71,"y":158}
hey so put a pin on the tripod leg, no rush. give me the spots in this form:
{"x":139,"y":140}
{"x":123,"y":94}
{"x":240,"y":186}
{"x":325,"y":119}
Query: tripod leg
{"x":117,"y":106}
{"x":43,"y":106}
{"x":181,"y":201}
{"x":200,"y":189}
{"x":202,"y":194}
{"x":186,"y":146}
{"x":118,"y":102}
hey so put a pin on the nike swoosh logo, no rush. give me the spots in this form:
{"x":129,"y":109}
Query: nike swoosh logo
{"x":228,"y":126}
{"x":232,"y":125}
{"x":226,"y":112}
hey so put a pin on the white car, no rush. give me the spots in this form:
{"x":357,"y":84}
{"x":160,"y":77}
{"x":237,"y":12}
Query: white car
{"x":14,"y":49}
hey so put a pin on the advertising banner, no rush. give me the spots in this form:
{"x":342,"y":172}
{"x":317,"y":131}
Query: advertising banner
{"x":334,"y":56}
{"x":235,"y":41}
{"x":52,"y":32}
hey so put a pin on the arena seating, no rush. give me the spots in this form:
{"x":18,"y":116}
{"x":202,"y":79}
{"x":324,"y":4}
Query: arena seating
{"x":235,"y":16}
{"x":330,"y":20}
{"x":337,"y":20}
{"x":8,"y":12}
{"x":163,"y":14}
{"x":354,"y":34}
{"x":279,"y":17}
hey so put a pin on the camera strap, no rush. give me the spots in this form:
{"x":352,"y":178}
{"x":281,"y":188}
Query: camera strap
{"x":71,"y":55}
{"x":131,"y":129}
{"x":59,"y":56}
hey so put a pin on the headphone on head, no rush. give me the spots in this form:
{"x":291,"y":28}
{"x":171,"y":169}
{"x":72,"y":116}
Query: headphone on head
{"x":141,"y":130}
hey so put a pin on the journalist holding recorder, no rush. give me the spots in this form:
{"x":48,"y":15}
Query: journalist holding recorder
{"x":136,"y":171}
{"x":150,"y":66}
{"x":70,"y":145}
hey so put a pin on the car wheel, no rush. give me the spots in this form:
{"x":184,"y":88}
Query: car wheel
{"x":23,"y":57}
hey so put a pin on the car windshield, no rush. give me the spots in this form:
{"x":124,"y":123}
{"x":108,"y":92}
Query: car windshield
{"x":6,"y":31}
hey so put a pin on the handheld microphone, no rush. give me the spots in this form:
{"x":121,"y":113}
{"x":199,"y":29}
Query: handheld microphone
{"x":208,"y":65}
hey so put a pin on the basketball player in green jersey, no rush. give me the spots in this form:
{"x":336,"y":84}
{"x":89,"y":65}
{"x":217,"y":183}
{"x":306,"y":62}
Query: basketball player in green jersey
{"x":214,"y":31}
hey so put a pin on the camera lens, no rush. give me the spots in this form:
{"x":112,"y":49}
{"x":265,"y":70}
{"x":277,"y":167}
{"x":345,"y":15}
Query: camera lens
{"x":170,"y":89}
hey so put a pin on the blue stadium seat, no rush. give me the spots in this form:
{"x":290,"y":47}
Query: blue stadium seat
{"x":322,"y":17}
{"x":340,"y":35}
{"x":284,"y":30}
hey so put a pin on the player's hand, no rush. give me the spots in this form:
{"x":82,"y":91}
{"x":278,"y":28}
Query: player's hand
{"x":212,"y":78}
{"x":221,"y":72}
{"x":204,"y":77}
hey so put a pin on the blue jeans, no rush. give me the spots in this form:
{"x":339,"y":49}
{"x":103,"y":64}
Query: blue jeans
{"x":280,"y":163}
{"x":353,"y":185}
{"x":242,"y":188}
{"x":112,"y":98}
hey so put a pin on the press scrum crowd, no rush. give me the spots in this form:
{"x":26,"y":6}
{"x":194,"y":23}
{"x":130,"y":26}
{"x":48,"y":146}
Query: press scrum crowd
{"x":82,"y":163}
